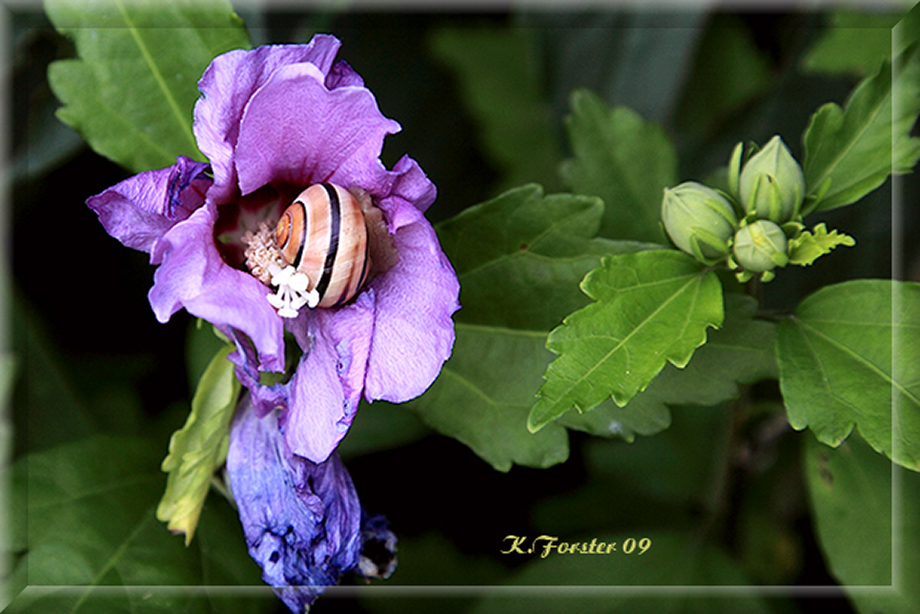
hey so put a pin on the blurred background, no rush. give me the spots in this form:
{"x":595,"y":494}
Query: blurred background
{"x":91,"y":358}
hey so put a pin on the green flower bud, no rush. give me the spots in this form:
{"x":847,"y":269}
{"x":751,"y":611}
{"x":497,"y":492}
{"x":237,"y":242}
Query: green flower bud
{"x":772,"y":184}
{"x":699,"y":220}
{"x":760,"y":246}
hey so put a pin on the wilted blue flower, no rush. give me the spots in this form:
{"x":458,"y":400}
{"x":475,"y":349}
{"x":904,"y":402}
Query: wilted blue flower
{"x":302,"y":520}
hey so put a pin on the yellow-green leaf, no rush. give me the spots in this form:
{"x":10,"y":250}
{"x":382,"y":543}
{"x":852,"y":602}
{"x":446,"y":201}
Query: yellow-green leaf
{"x":199,"y":447}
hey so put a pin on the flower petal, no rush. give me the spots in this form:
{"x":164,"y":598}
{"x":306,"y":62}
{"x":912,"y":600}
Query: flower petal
{"x":413,"y":330}
{"x":296,"y":131}
{"x":413,"y":185}
{"x":140,"y":209}
{"x":227,"y":85}
{"x":302,"y":520}
{"x":343,"y":75}
{"x":326,"y":388}
{"x":194,"y":276}
{"x":264,"y":399}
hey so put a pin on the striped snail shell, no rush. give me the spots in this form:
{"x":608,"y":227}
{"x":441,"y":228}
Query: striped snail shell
{"x":323,"y":235}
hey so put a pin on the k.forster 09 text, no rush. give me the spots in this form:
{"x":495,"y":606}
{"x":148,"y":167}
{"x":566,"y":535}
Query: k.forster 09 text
{"x":547,"y":544}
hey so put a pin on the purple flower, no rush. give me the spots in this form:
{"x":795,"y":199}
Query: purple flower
{"x":272,"y":121}
{"x":302,"y":520}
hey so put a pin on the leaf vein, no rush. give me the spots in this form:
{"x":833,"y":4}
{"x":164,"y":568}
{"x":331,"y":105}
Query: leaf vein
{"x":158,"y":76}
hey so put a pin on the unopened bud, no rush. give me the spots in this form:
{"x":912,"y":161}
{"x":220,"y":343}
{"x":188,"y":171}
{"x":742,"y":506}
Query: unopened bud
{"x":760,"y":246}
{"x":772,"y":184}
{"x":699,"y":220}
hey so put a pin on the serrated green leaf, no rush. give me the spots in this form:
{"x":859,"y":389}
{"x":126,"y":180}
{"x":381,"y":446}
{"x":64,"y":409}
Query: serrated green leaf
{"x":867,"y":516}
{"x":624,"y":161}
{"x":521,"y":255}
{"x":810,"y":246}
{"x":852,"y":148}
{"x":519,"y":258}
{"x":496,"y":72}
{"x":91,"y":524}
{"x":850,"y":357}
{"x":741,"y":352}
{"x":131,"y":92}
{"x":650,"y":308}
{"x":200,"y":447}
{"x":672,"y":559}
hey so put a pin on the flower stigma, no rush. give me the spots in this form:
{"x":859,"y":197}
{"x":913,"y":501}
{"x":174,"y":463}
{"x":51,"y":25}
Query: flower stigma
{"x":263,"y":258}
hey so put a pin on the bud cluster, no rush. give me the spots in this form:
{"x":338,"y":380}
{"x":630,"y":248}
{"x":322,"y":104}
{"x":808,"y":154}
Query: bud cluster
{"x":755,"y":225}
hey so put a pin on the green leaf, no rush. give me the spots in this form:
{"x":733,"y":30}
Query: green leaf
{"x":850,"y":357}
{"x":596,"y":582}
{"x":850,"y":151}
{"x":91,"y":524}
{"x":519,"y":258}
{"x":496,"y":72}
{"x":741,"y":352}
{"x":854,"y":42}
{"x":675,"y":468}
{"x":865,"y":532}
{"x":521,"y":255}
{"x":906,"y":32}
{"x":46,"y":403}
{"x":809,"y":246}
{"x":856,"y":538}
{"x":131,"y":92}
{"x":485,"y":392}
{"x":651,"y":308}
{"x":624,"y":161}
{"x":199,"y":447}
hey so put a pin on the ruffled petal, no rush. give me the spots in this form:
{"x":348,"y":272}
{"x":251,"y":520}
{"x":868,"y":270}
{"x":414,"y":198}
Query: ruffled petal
{"x":326,"y":388}
{"x":413,"y":185}
{"x":413,"y":331}
{"x":343,"y":75}
{"x":194,"y":276}
{"x":227,"y":85}
{"x":140,"y":209}
{"x":302,"y":520}
{"x":315,"y":134}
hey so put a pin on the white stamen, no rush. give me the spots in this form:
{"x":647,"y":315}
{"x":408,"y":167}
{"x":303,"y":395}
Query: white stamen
{"x":263,"y":258}
{"x":292,"y":293}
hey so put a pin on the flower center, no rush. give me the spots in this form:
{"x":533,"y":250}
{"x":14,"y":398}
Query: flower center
{"x":319,"y":251}
{"x":264,"y":261}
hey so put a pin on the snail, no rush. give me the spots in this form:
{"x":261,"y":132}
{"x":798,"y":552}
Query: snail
{"x":337,"y":238}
